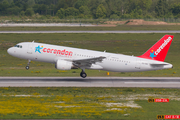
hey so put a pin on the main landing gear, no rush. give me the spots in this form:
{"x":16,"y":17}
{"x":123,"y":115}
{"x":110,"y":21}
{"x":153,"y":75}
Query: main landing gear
{"x":83,"y":74}
{"x":27,"y":67}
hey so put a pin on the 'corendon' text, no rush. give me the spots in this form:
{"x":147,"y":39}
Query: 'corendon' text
{"x":60,"y":52}
{"x":163,"y":45}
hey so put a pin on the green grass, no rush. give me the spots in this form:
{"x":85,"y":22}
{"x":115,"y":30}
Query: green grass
{"x":98,"y":28}
{"x":86,"y":103}
{"x":130,"y":44}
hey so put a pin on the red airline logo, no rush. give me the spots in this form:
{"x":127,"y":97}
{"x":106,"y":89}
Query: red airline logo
{"x":163,"y":45}
{"x":59,"y":52}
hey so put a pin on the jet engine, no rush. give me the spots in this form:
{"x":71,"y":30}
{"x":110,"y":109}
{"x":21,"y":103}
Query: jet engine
{"x":63,"y":65}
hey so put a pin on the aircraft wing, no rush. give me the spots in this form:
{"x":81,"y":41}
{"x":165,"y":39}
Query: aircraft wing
{"x":87,"y":62}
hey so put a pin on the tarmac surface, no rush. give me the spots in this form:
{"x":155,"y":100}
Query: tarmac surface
{"x":144,"y":31}
{"x":145,"y":82}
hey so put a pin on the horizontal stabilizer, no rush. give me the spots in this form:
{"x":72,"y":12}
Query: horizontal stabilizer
{"x":163,"y":65}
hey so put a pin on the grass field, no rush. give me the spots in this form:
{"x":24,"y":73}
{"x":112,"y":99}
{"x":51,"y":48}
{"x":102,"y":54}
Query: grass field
{"x":130,"y":44}
{"x":86,"y":103}
{"x":98,"y":28}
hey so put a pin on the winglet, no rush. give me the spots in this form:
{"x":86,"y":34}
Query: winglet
{"x":159,"y":50}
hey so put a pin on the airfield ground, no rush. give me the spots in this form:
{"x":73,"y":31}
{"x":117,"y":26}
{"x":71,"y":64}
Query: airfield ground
{"x":86,"y":103}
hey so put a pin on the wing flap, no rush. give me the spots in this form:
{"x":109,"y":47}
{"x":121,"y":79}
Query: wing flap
{"x":87,"y":63}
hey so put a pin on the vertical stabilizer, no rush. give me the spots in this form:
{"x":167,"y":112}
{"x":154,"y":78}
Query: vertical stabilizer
{"x":159,"y":50}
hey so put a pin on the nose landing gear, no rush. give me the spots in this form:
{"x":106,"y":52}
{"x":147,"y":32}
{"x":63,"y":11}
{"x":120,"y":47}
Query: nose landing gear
{"x":27,"y":67}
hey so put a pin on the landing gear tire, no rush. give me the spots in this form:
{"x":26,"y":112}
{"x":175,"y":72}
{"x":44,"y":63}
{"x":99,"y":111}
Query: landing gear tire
{"x":83,"y":74}
{"x":27,"y":67}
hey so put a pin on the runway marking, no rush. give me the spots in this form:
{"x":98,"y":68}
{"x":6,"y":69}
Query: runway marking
{"x":145,"y":31}
{"x":152,"y":82}
{"x":93,"y":82}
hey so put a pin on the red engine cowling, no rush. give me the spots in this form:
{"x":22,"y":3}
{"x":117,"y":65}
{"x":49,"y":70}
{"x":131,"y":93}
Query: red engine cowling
{"x":63,"y":65}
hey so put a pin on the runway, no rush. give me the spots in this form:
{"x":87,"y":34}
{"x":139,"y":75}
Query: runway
{"x":146,"y":82}
{"x":45,"y":24}
{"x":143,"y":31}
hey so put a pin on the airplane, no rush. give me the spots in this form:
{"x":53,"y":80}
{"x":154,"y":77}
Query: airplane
{"x":67,"y":58}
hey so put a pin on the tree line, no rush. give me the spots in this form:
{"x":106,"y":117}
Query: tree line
{"x":96,"y":9}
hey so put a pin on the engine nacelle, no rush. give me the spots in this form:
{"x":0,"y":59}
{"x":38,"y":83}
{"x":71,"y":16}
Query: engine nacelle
{"x":63,"y":65}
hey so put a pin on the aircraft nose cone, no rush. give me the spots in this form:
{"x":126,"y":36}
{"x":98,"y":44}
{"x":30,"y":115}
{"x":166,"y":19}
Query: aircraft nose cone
{"x":10,"y":51}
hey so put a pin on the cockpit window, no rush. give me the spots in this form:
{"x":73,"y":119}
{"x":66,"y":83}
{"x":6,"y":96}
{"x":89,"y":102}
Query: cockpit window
{"x":18,"y":46}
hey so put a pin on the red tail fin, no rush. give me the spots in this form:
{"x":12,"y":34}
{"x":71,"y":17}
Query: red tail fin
{"x":159,"y":50}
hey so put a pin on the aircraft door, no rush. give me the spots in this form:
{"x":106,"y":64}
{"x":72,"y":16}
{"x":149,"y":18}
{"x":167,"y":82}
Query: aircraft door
{"x":30,"y":48}
{"x":138,"y":64}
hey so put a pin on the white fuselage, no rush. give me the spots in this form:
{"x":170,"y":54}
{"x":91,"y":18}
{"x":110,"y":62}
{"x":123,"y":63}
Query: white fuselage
{"x":112,"y":62}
